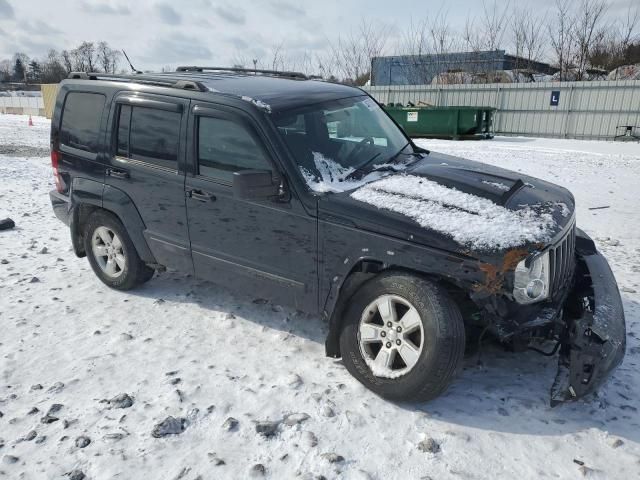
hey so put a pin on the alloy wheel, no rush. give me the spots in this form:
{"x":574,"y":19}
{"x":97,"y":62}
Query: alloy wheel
{"x":108,"y":252}
{"x":390,"y":336}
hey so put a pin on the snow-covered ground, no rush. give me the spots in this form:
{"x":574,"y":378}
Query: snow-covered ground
{"x":185,"y":348}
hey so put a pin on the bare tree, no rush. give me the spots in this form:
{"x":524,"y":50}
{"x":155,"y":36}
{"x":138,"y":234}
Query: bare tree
{"x":300,"y":61}
{"x":527,"y":39}
{"x":561,"y":36}
{"x":277,"y":56}
{"x":614,"y":47}
{"x":627,"y":28}
{"x":472,"y":36}
{"x":351,"y":54}
{"x":107,"y":58}
{"x":241,"y":60}
{"x":443,"y":41}
{"x":494,"y":21}
{"x":489,"y":31}
{"x":485,"y":34}
{"x":280,"y":59}
{"x":587,"y":31}
{"x":325,"y":66}
{"x":428,"y":44}
{"x":6,"y":67}
{"x":52,"y":69}
{"x":83,"y":57}
{"x":416,"y":45}
{"x":415,"y":40}
{"x":443,"y":38}
{"x":67,"y":61}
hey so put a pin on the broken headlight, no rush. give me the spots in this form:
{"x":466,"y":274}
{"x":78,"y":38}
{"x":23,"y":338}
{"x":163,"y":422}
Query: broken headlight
{"x":531,"y":282}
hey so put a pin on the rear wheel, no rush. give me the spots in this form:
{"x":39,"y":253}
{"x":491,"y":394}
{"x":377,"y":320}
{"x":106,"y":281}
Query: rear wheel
{"x":111,"y":253}
{"x":403,"y":337}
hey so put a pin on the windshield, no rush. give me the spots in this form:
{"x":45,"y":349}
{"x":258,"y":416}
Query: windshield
{"x":337,"y":143}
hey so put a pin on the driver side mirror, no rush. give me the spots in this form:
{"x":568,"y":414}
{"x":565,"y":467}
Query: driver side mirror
{"x":255,"y":184}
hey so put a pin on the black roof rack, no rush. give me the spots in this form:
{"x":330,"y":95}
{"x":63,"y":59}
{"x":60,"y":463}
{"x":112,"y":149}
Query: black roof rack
{"x":254,"y":71}
{"x":147,"y":80}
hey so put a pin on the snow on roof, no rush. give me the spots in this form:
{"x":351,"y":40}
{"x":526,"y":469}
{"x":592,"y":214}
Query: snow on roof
{"x":470,"y":220}
{"x":258,"y":103}
{"x":498,"y":185}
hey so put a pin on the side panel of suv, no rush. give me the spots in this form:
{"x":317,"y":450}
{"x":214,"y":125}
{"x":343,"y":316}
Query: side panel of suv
{"x":264,"y":246}
{"x":148,"y":163}
{"x":80,"y":137}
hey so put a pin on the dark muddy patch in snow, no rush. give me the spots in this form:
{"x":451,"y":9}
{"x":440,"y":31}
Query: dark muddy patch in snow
{"x":23,"y":150}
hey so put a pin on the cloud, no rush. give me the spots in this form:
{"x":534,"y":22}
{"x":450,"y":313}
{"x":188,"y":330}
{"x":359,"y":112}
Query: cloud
{"x":6,"y":10}
{"x":29,"y":45}
{"x":239,"y":43}
{"x":178,"y":48}
{"x":37,"y":27}
{"x":286,"y":9}
{"x":167,"y":14}
{"x":233,"y":15}
{"x":104,"y":8}
{"x":201,"y":22}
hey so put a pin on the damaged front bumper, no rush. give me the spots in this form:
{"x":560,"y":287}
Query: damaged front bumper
{"x":594,"y":339}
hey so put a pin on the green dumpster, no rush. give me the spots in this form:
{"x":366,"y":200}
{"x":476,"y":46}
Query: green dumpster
{"x":444,"y":122}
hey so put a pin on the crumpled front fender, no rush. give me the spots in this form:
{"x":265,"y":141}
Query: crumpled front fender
{"x":594,"y":343}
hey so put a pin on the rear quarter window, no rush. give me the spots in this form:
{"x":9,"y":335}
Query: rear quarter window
{"x":81,"y":117}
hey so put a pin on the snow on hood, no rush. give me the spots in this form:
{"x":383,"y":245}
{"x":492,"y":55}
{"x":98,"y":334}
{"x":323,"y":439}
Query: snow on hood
{"x":333,"y":176}
{"x":470,"y":220}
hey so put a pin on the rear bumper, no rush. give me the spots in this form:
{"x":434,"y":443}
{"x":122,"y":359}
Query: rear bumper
{"x":61,"y":206}
{"x":594,"y":341}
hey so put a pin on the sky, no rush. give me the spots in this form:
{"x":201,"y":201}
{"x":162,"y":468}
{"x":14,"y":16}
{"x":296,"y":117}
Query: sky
{"x":159,"y":33}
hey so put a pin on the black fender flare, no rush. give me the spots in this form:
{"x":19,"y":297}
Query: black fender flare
{"x":89,"y":195}
{"x":118,"y":202}
{"x":363,"y":270}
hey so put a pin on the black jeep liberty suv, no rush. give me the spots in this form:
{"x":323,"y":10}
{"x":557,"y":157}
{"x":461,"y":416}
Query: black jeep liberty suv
{"x":307,"y":193}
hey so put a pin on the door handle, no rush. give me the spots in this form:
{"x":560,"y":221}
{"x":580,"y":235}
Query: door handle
{"x":117,"y":173}
{"x":201,"y":196}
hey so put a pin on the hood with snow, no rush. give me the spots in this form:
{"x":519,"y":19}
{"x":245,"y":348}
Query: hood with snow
{"x":457,"y":205}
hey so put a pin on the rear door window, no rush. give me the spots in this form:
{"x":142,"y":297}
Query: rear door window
{"x":149,"y":135}
{"x":81,"y":120}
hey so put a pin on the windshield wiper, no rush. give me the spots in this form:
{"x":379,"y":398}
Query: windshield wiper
{"x":391,"y":159}
{"x":368,"y":162}
{"x":395,"y":157}
{"x":383,"y":166}
{"x":418,"y":155}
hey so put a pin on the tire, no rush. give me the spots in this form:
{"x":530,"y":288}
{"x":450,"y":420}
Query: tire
{"x":120,"y":267}
{"x":433,"y":340}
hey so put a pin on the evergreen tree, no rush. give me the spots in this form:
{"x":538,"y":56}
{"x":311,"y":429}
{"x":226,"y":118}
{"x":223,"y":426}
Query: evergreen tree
{"x":34,"y":74}
{"x":18,"y":70}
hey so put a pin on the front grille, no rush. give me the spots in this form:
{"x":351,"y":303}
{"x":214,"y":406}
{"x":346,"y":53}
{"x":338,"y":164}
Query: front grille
{"x":562,"y":261}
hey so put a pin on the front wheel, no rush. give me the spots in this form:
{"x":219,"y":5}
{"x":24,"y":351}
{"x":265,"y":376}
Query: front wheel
{"x":403,"y":337}
{"x":111,"y":253}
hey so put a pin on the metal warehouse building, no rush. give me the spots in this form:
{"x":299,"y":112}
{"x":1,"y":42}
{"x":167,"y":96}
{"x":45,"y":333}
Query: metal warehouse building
{"x":421,"y":69}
